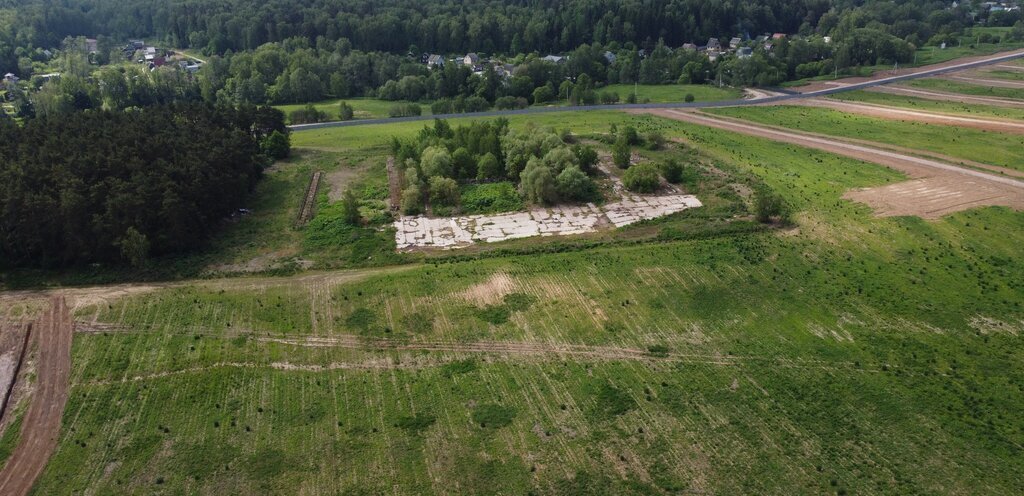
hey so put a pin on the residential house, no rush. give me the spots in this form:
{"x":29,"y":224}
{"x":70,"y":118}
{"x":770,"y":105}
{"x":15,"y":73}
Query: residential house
{"x":744,"y":52}
{"x":10,"y":78}
{"x":435,"y":60}
{"x":735,"y":42}
{"x":827,"y":39}
{"x":689,"y":46}
{"x":609,"y":56}
{"x":137,"y":44}
{"x":714,"y":44}
{"x":778,"y":36}
{"x":47,"y":77}
{"x":472,"y":60}
{"x":555,"y":59}
{"x":91,"y":45}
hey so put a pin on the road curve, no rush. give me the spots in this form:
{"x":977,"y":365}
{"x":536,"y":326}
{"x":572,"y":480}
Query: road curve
{"x":40,"y":428}
{"x":924,"y":72}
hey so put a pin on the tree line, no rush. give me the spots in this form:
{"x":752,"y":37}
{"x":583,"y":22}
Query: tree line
{"x":113,"y":187}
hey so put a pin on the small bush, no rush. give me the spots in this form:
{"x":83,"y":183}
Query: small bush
{"x":458,"y":368}
{"x":491,"y":416}
{"x":642,"y":178}
{"x":405,"y":110}
{"x":621,"y":153}
{"x":770,"y":207}
{"x":689,"y":98}
{"x":415,"y":423}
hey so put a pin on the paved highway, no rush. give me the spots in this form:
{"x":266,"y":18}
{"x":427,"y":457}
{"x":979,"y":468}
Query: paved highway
{"x":923,"y":72}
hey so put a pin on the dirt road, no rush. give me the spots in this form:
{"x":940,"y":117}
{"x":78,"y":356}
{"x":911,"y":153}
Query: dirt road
{"x":901,"y":114}
{"x":949,"y":97}
{"x":40,"y":428}
{"x":938,"y":189}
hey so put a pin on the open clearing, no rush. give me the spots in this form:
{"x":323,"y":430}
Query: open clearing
{"x":942,"y":189}
{"x":948,"y":96}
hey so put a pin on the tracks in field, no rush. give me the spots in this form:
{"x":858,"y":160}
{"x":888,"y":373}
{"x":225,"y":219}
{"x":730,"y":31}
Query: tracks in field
{"x":40,"y":428}
{"x":309,"y":201}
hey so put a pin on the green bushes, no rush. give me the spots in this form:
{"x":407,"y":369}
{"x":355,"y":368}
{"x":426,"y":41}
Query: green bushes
{"x":405,"y":110}
{"x":771,"y":207}
{"x":492,"y":416}
{"x":490,"y":198}
{"x":641,"y":178}
{"x":345,"y":111}
{"x":307,"y":115}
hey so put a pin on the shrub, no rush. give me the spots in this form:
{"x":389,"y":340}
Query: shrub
{"x":771,"y":207}
{"x":632,"y":137}
{"x":537,"y":184}
{"x":586,"y":157}
{"x":415,"y":423}
{"x":277,"y":145}
{"x":689,"y":97}
{"x":543,"y":94}
{"x":642,"y":178}
{"x":655,"y":140}
{"x":307,"y":115}
{"x":405,"y":110}
{"x":621,"y":152}
{"x":491,"y":416}
{"x":573,"y":184}
{"x":444,"y":191}
{"x":505,"y":103}
{"x":350,"y":208}
{"x":488,"y":168}
{"x":412,"y":200}
{"x":458,"y":367}
{"x":345,"y":111}
{"x":611,"y":402}
{"x":672,"y":171}
{"x":609,"y":97}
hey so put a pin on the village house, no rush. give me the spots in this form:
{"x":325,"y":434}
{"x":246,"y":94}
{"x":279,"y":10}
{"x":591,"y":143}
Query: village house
{"x":744,"y":52}
{"x":689,"y":46}
{"x":472,"y":60}
{"x":435,"y":60}
{"x":609,"y":56}
{"x":735,"y":42}
{"x":554,"y":59}
{"x":91,"y":45}
{"x":714,"y":44}
{"x":10,"y":78}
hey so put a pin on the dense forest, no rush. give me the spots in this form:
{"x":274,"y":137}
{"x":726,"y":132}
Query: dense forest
{"x":299,"y":51}
{"x":104,"y":186}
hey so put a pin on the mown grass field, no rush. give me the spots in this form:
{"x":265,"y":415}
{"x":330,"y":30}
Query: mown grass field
{"x":993,"y":148}
{"x":673,"y":93}
{"x":363,"y":108}
{"x":850,"y":355}
{"x":967,"y":88}
{"x":931,"y":105}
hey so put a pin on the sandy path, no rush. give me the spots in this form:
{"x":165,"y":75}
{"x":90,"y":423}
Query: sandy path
{"x":949,"y":97}
{"x":941,"y":188}
{"x":41,"y":426}
{"x":902,"y":114}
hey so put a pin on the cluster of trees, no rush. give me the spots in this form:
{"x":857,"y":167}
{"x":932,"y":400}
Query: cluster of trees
{"x":547,"y":167}
{"x":105,"y":186}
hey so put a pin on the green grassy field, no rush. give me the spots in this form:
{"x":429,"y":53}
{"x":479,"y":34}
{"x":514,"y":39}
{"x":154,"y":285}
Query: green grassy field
{"x":364,"y":108}
{"x":967,"y":88}
{"x":973,"y":110}
{"x":1008,"y":74}
{"x":852,"y":355}
{"x":1001,"y":149}
{"x":663,"y":93}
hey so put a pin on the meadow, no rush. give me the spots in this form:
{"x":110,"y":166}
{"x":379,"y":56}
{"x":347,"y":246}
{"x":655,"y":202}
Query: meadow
{"x":363,"y":107}
{"x":848,"y":355}
{"x":967,"y":88}
{"x":993,"y":148}
{"x":948,"y":107}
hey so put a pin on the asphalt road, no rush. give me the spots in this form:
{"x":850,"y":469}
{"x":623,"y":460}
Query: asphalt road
{"x":924,"y":72}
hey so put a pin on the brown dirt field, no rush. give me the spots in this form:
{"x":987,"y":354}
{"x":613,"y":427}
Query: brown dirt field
{"x":948,"y":188}
{"x":338,"y":180}
{"x":825,"y":85}
{"x":948,"y":97}
{"x":901,"y":114}
{"x":41,"y":426}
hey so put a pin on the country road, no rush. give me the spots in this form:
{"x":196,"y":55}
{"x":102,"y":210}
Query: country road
{"x":882,"y":80}
{"x":40,"y":428}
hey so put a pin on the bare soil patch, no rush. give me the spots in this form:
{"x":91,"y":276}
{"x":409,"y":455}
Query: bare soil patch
{"x":491,"y":291}
{"x":40,"y":429}
{"x":339,"y":180}
{"x":939,"y":188}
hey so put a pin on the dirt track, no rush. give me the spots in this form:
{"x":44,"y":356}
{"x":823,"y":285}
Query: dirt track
{"x":40,"y":428}
{"x":939,"y":188}
{"x":949,"y":97}
{"x":894,"y":113}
